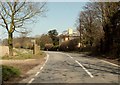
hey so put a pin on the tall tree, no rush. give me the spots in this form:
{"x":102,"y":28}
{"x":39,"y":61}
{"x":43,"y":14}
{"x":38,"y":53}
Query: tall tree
{"x":88,"y":26}
{"x":111,"y":9}
{"x":53,"y":34}
{"x":105,"y":10}
{"x":14,"y":15}
{"x":102,"y":17}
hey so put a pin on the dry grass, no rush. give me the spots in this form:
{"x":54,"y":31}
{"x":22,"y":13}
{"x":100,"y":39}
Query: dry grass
{"x":23,"y":60}
{"x":24,"y":68}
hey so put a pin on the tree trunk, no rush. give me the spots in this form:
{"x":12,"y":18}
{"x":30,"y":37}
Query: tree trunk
{"x":10,"y":43}
{"x":101,"y":46}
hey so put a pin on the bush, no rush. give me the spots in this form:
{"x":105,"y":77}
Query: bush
{"x":55,"y":48}
{"x":64,"y":46}
{"x":70,"y":45}
{"x":17,"y":45}
{"x":86,"y":49}
{"x":48,"y":46}
{"x":27,"y":45}
{"x":9,"y":72}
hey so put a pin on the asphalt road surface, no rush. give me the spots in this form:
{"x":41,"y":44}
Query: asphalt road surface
{"x":76,"y":68}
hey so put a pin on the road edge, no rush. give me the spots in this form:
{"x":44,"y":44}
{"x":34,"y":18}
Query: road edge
{"x":34,"y":72}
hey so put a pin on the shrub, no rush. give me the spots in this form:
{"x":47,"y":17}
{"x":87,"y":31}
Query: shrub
{"x":29,"y":45}
{"x":70,"y":45}
{"x":9,"y":72}
{"x":48,"y":46}
{"x":17,"y":45}
{"x":55,"y":48}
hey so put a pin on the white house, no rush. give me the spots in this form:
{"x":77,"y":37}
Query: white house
{"x":68,"y":35}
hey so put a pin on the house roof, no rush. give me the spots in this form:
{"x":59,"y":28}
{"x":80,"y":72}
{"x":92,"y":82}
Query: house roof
{"x":75,"y":33}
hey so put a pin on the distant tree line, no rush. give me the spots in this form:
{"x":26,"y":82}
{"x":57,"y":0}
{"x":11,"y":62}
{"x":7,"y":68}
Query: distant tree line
{"x":49,"y":41}
{"x":20,"y":42}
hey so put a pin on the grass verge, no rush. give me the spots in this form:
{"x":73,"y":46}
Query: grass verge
{"x":24,"y":65}
{"x":20,"y":54}
{"x":9,"y":72}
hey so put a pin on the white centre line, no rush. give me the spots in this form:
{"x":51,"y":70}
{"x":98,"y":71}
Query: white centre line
{"x":85,"y":69}
{"x":82,"y":67}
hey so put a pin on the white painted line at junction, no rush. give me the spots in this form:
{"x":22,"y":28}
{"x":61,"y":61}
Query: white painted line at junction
{"x":69,"y":56}
{"x":110,"y":63}
{"x":85,"y":69}
{"x":37,"y":73}
{"x":31,"y":80}
{"x":46,"y":60}
{"x":40,"y":70}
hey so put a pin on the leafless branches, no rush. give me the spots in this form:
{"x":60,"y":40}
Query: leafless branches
{"x":15,"y":14}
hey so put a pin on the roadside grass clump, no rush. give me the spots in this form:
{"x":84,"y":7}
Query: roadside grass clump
{"x":39,"y":55}
{"x":23,"y":54}
{"x":9,"y":72}
{"x":19,"y":55}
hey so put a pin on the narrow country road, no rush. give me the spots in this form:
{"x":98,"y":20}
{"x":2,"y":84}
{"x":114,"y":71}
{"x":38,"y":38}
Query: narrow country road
{"x":76,"y":68}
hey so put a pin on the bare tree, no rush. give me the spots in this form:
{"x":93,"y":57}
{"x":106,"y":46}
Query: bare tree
{"x":14,"y":15}
{"x":90,"y":24}
{"x":43,"y":40}
{"x":106,"y":10}
{"x":98,"y":24}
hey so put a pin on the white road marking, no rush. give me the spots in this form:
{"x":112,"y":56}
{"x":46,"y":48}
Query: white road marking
{"x":31,"y":80}
{"x":46,"y":61}
{"x":37,"y":73}
{"x":110,"y":63}
{"x":81,"y":66}
{"x":85,"y":69}
{"x":40,"y":70}
{"x":69,"y":56}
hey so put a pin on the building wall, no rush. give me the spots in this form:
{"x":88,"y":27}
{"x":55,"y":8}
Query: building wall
{"x":69,"y":35}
